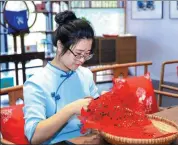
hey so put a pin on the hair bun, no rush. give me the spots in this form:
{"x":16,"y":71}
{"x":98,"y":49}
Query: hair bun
{"x":65,"y":17}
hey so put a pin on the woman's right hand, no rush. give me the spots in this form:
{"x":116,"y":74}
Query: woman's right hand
{"x":77,"y":105}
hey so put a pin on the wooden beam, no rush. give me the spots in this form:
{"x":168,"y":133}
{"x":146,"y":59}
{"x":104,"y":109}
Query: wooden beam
{"x":170,"y":87}
{"x":114,"y":66}
{"x":166,"y":93}
{"x":10,"y":89}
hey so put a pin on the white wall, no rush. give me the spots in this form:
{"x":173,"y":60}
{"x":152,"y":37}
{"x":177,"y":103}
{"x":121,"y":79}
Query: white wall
{"x":157,"y":41}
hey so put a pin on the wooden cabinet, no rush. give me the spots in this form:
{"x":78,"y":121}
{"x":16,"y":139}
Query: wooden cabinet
{"x":110,"y":50}
{"x":126,"y":49}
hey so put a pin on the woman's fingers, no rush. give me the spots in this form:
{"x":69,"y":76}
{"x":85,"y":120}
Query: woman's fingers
{"x":88,"y":100}
{"x":103,"y":92}
{"x":88,"y":97}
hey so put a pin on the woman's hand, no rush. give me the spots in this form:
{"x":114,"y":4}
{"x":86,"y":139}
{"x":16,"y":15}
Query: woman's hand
{"x":103,"y":92}
{"x":77,"y":105}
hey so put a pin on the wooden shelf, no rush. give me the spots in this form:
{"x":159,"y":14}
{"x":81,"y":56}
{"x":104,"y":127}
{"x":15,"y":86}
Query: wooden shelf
{"x":42,"y":31}
{"x":110,"y":50}
{"x":22,"y":57}
{"x":44,"y":12}
{"x":3,"y":33}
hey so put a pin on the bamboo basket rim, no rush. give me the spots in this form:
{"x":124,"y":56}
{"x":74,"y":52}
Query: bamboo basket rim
{"x":147,"y":141}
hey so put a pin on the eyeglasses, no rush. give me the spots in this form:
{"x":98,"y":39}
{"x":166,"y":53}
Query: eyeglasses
{"x":86,"y":57}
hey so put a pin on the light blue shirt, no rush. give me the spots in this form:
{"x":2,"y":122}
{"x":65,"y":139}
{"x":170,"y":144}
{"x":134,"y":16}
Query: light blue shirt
{"x":49,"y":90}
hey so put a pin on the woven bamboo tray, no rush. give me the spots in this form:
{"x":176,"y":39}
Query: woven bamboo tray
{"x":164,"y":125}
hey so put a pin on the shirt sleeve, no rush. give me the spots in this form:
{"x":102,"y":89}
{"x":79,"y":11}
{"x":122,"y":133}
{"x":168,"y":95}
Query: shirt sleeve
{"x":93,"y":89}
{"x":34,"y":107}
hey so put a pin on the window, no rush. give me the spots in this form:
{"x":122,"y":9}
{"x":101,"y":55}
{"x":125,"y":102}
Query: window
{"x":106,"y":17}
{"x":78,"y":4}
{"x":104,"y":4}
{"x":33,"y":38}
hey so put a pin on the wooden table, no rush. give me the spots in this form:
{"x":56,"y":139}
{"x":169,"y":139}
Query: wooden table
{"x":171,"y":114}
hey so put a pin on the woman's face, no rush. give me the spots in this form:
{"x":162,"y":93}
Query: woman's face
{"x":75,"y":57}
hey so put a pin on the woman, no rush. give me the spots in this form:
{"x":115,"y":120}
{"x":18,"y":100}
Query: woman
{"x":55,"y":96}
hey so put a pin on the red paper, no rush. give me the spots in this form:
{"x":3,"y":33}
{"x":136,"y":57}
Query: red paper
{"x":118,"y":113}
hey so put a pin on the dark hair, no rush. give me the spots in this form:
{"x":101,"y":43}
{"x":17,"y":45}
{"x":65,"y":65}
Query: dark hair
{"x":71,"y":29}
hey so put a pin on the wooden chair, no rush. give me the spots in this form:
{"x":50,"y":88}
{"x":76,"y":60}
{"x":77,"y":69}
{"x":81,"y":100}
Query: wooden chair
{"x":16,"y":92}
{"x":162,"y":85}
{"x":121,"y":70}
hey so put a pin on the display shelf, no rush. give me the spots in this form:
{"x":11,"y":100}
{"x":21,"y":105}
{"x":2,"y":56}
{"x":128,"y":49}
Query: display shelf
{"x":21,"y":58}
{"x":45,"y":12}
{"x":48,"y":31}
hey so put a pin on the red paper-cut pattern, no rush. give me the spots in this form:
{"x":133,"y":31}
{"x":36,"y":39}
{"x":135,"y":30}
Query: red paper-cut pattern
{"x":119,"y":113}
{"x":142,"y":88}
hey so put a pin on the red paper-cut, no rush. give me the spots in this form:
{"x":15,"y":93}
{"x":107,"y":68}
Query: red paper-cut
{"x":118,"y":113}
{"x":142,"y":88}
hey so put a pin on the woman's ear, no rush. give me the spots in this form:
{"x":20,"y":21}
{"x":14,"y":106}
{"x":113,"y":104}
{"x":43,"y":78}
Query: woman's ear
{"x":59,"y":47}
